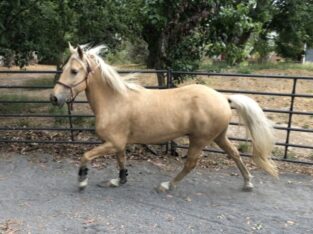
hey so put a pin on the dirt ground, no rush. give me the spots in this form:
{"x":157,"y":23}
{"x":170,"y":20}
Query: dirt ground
{"x":39,"y":195}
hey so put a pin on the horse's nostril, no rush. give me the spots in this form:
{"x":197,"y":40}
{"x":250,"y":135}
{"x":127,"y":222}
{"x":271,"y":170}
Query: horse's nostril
{"x":53,"y":99}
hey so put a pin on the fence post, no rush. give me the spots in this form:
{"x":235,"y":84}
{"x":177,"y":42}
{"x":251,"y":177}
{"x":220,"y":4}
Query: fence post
{"x":293,"y":92}
{"x":70,"y":120}
{"x":169,"y":78}
{"x":169,"y":84}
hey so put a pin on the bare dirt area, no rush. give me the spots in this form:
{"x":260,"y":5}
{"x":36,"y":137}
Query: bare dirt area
{"x":18,"y":79}
{"x":39,"y":195}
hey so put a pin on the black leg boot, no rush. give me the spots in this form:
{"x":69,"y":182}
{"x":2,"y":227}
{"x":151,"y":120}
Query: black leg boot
{"x":123,"y":176}
{"x":82,"y":177}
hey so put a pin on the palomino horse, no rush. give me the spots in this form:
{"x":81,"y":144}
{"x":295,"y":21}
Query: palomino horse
{"x":127,"y":113}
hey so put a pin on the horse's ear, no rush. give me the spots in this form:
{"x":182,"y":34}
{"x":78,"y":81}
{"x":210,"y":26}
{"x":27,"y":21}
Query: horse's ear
{"x":80,"y":52}
{"x":72,"y":50}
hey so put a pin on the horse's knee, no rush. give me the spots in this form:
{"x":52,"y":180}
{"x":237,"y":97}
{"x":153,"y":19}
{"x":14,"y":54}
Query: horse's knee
{"x":84,"y":160}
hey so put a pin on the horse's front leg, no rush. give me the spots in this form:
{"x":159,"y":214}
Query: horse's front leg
{"x":106,"y":148}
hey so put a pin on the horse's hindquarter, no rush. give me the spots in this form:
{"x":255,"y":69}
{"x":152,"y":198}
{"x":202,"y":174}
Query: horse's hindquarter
{"x":160,"y":115}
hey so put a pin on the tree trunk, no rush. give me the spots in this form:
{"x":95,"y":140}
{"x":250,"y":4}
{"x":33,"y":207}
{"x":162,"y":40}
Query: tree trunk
{"x":157,"y":51}
{"x":161,"y":79}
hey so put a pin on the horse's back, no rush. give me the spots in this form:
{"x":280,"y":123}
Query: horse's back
{"x":196,"y":99}
{"x":167,"y":114}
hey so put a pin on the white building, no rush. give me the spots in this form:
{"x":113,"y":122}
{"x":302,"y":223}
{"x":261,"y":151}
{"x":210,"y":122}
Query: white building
{"x":308,"y":56}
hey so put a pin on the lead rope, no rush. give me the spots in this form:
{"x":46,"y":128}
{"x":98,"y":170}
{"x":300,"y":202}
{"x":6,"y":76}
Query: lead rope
{"x":69,"y":112}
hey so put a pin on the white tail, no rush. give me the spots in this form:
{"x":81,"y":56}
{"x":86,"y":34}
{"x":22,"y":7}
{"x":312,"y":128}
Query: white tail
{"x":260,"y":128}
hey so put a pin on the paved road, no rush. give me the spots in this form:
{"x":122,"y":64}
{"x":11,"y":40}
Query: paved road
{"x":39,"y":195}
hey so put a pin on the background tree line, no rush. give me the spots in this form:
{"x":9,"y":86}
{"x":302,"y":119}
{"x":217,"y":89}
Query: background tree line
{"x":172,"y":33}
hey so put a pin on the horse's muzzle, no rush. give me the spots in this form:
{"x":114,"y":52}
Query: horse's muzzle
{"x":56,"y":101}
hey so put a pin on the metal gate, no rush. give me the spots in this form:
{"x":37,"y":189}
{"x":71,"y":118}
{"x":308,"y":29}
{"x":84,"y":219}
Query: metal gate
{"x":71,"y":129}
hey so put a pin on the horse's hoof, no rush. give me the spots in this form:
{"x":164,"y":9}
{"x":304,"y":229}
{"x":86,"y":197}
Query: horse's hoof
{"x":82,"y":184}
{"x":114,"y":182}
{"x":248,"y":187}
{"x":164,"y":187}
{"x":123,"y":181}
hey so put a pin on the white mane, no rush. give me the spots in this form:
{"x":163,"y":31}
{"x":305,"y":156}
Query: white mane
{"x":108,"y":73}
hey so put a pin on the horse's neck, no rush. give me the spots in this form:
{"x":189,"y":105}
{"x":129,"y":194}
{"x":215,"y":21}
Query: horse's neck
{"x":99,"y":94}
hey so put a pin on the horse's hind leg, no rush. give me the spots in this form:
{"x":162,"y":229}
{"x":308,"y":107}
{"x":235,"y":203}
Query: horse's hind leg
{"x":223,"y":142}
{"x":194,"y":153}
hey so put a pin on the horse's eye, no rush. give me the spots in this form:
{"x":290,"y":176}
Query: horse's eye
{"x":74,"y":72}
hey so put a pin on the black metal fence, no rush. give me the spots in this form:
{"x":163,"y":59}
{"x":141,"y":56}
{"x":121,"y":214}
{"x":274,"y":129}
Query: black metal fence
{"x":290,"y":112}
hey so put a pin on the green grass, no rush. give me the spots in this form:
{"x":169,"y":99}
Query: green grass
{"x":244,"y":147}
{"x":278,"y":152}
{"x":23,"y":123}
{"x":248,"y":68}
{"x":244,"y":70}
{"x":291,"y":155}
{"x":64,"y":121}
{"x":58,"y":121}
{"x":17,"y":108}
{"x":282,"y":66}
{"x":83,"y":122}
{"x":43,"y":81}
{"x":214,"y":67}
{"x":201,"y":81}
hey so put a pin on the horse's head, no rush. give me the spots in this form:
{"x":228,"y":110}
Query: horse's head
{"x":73,"y":79}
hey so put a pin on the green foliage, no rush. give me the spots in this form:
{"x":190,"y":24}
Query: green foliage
{"x":293,"y":21}
{"x":99,"y":22}
{"x":177,"y":33}
{"x":263,"y":47}
{"x":129,"y":53}
{"x":33,"y":25}
{"x":180,"y":32}
{"x":231,"y":28}
{"x":46,"y":26}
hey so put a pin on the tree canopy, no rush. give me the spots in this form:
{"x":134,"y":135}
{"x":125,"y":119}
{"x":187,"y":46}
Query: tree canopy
{"x":178,"y":33}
